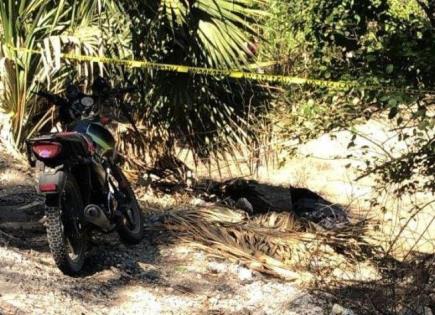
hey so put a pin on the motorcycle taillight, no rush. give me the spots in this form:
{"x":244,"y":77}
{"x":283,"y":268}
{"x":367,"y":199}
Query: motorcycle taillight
{"x":47,"y":187}
{"x":47,"y":150}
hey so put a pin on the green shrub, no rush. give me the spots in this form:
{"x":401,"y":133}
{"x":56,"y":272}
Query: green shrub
{"x":372,"y":42}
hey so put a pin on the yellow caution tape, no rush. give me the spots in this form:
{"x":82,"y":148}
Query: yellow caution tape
{"x":236,"y":74}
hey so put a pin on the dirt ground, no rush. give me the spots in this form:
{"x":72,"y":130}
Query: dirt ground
{"x":154,"y":277}
{"x":163,"y":276}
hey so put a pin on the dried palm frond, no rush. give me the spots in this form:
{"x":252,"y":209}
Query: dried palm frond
{"x":149,"y":153}
{"x":275,"y":243}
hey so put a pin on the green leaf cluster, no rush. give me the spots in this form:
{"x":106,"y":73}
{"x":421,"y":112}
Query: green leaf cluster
{"x":388,"y":43}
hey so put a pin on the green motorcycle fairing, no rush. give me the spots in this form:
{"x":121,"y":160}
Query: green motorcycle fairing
{"x":105,"y":143}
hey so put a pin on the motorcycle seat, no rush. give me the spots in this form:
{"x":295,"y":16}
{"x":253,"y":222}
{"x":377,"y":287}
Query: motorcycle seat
{"x":85,"y":140}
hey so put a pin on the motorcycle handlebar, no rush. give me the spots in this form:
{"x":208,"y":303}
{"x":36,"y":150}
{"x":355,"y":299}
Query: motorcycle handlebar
{"x":121,"y":91}
{"x":60,"y":101}
{"x":64,"y":103}
{"x":52,"y":98}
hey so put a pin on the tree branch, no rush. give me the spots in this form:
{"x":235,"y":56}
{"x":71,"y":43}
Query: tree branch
{"x":429,"y":10}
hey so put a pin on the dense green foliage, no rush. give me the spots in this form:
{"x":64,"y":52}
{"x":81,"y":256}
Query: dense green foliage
{"x":343,"y":39}
{"x":207,"y":114}
{"x":373,"y":42}
{"x":52,"y":27}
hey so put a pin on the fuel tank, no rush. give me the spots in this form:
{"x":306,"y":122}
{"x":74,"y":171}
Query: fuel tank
{"x":103,"y":139}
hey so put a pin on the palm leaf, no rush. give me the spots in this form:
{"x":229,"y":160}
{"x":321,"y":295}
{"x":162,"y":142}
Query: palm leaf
{"x":48,"y":26}
{"x":274,"y":243}
{"x":209,"y":115}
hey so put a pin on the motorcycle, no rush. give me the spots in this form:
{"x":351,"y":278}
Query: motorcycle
{"x":84,"y":187}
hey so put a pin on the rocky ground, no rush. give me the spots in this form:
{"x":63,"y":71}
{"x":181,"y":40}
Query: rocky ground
{"x":154,"y":277}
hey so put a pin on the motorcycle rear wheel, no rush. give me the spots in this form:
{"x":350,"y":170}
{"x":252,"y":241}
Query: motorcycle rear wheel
{"x":66,"y":241}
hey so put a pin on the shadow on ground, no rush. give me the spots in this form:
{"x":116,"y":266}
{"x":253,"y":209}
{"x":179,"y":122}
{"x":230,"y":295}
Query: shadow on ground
{"x":21,"y":211}
{"x":403,"y":287}
{"x":27,"y":262}
{"x":110,"y":265}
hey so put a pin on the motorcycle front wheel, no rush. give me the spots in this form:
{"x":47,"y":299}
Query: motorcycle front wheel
{"x":66,"y":241}
{"x":131,"y":225}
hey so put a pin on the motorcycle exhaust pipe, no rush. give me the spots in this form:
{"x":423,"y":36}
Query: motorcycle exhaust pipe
{"x":95,"y":215}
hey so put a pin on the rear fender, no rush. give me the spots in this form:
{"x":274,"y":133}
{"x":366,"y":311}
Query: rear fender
{"x":51,"y":184}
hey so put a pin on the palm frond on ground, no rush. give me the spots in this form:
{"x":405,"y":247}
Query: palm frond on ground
{"x":274,"y":243}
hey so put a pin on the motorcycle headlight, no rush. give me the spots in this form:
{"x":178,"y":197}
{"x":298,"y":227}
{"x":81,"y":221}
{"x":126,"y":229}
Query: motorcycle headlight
{"x":87,"y":101}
